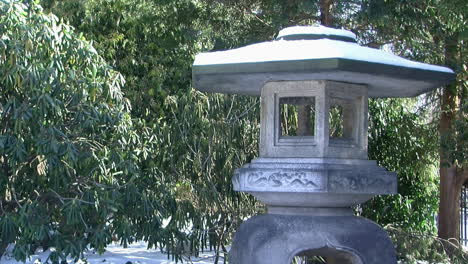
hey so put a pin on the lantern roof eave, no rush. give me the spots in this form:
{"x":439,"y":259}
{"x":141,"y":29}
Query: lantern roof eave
{"x":245,"y":70}
{"x":383,"y":80}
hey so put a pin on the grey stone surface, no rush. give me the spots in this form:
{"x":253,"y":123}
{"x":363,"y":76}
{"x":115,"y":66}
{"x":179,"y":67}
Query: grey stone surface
{"x":308,"y":162}
{"x":311,"y":199}
{"x":311,"y":211}
{"x":382,"y":80}
{"x":276,"y":239}
{"x":314,"y":182}
{"x":353,"y":99}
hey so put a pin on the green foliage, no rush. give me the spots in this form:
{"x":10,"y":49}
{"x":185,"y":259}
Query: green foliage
{"x":196,"y":140}
{"x":192,"y":141}
{"x":396,"y":142}
{"x":413,"y":247}
{"x":67,"y":143}
{"x":430,"y":31}
{"x":210,"y":137}
{"x":152,"y":43}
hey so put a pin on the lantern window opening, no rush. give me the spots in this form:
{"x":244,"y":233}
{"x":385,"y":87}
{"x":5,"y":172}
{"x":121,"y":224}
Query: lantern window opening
{"x":297,"y":116}
{"x":343,"y":121}
{"x":335,"y":118}
{"x":294,"y":117}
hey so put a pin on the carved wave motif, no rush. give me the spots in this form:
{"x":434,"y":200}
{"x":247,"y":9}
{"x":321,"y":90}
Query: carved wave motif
{"x":281,"y":179}
{"x":360,"y":183}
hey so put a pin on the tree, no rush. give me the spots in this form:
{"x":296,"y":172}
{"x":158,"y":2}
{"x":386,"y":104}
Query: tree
{"x":67,"y":144}
{"x":435,"y":32}
{"x":175,"y":158}
{"x":194,"y":146}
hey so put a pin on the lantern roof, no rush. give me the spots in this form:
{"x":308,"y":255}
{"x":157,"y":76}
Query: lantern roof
{"x":315,"y":53}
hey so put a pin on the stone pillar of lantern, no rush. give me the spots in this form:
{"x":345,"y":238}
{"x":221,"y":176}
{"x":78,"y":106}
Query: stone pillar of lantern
{"x":310,"y":176}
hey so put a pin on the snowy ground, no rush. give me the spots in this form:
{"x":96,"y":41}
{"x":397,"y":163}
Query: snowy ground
{"x":115,"y":254}
{"x":135,"y":254}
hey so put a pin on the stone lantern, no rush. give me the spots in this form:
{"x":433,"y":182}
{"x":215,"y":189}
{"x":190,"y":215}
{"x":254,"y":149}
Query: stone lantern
{"x":314,"y":84}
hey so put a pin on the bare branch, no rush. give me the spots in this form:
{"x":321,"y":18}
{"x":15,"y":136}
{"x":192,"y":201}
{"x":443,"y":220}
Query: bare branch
{"x":63,"y":199}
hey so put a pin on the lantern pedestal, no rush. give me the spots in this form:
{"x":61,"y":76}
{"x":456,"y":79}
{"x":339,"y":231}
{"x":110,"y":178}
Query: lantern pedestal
{"x":276,"y":239}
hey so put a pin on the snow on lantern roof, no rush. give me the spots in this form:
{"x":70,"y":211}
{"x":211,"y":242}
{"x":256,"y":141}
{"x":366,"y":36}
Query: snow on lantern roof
{"x":316,"y":32}
{"x":315,"y":53}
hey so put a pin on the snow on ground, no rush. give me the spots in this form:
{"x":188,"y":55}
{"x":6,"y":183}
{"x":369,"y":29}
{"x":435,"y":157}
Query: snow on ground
{"x":136,"y":253}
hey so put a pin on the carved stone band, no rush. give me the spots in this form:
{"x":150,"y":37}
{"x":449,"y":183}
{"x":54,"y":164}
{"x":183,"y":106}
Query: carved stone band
{"x":352,"y":180}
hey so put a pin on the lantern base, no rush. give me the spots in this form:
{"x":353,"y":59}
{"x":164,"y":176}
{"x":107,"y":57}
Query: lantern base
{"x":276,"y":239}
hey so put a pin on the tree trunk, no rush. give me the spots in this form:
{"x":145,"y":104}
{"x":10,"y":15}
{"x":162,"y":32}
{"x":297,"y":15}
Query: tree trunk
{"x":303,"y":121}
{"x":326,"y":17}
{"x":304,"y":126}
{"x":449,"y":206}
{"x":451,"y":182}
